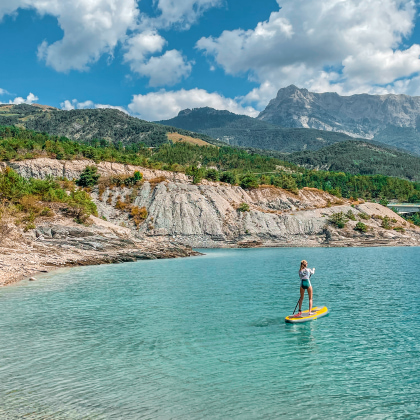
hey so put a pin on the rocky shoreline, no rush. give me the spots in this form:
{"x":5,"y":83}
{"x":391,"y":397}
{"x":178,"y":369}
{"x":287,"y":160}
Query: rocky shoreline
{"x":63,"y":243}
{"x":180,"y":216}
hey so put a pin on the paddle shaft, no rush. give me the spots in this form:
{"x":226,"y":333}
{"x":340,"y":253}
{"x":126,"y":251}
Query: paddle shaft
{"x":296,"y":306}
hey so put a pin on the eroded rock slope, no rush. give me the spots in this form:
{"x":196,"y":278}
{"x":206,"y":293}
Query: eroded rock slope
{"x":208,"y":215}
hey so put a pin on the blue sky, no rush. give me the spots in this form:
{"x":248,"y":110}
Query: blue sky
{"x":154,"y":58}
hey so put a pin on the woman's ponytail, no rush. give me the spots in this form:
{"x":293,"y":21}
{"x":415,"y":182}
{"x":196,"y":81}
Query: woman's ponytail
{"x":303,"y":264}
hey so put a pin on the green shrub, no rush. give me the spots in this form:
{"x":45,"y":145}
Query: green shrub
{"x":399,"y":229}
{"x":89,"y":177}
{"x":383,"y":202}
{"x":338,"y":219}
{"x":212,"y":175}
{"x":386,"y":223}
{"x":196,"y":173}
{"x":336,"y":192}
{"x":249,"y":181}
{"x":286,"y":182}
{"x":265,"y":180}
{"x":228,"y":177}
{"x":415,"y":218}
{"x":81,"y":206}
{"x":29,"y":226}
{"x":133,"y":180}
{"x":361,"y":227}
{"x":46,"y":212}
{"x":350,"y":215}
{"x":27,"y":195}
{"x":243,"y":207}
{"x":364,"y":216}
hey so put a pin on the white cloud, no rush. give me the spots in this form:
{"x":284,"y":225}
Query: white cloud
{"x":67,"y":105}
{"x":30,"y":99}
{"x":334,"y":45}
{"x":75,"y":104}
{"x":180,"y":12}
{"x":94,"y":27}
{"x":166,"y":104}
{"x":91,"y":28}
{"x":141,"y":45}
{"x":167,"y":69}
{"x":4,"y":92}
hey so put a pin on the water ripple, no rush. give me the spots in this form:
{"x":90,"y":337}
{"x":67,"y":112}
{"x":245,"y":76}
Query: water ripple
{"x":205,"y":338}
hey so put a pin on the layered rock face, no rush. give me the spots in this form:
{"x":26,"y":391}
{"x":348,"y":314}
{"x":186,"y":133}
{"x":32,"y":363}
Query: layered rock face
{"x":357,"y":115}
{"x":41,"y":168}
{"x":208,"y":214}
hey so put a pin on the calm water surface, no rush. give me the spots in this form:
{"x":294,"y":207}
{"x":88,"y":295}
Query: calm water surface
{"x":205,"y":338}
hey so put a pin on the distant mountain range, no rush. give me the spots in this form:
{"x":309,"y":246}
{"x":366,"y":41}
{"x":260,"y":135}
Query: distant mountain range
{"x":314,"y":149}
{"x":301,"y":120}
{"x":244,"y":131}
{"x":85,"y":124}
{"x":294,"y":108}
{"x":390,"y":119}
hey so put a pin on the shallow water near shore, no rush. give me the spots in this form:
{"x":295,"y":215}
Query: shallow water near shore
{"x":205,"y":338}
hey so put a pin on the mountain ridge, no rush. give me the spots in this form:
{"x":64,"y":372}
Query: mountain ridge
{"x":87,"y":124}
{"x":380,"y":117}
{"x":244,"y":131}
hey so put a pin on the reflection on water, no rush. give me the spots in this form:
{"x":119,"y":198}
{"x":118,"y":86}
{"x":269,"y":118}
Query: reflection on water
{"x":267,"y":322}
{"x":205,"y":338}
{"x":304,"y":333}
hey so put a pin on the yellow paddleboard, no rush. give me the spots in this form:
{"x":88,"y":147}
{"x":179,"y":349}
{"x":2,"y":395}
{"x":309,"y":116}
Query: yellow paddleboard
{"x":317,"y":312}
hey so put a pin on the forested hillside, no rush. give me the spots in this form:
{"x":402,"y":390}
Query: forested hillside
{"x":244,"y":131}
{"x":227,"y":164}
{"x":84,"y":124}
{"x":359,"y":157}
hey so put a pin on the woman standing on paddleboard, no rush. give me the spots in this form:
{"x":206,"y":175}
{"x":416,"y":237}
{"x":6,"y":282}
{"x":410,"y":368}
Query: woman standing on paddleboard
{"x":305,"y":274}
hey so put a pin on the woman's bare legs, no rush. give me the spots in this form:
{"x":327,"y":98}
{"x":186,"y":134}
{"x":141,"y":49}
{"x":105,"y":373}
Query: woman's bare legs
{"x":310,"y":298}
{"x":302,"y":295}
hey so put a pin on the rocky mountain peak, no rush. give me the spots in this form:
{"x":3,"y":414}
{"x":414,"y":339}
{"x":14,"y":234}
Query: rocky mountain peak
{"x":361,"y":115}
{"x":206,"y":110}
{"x":291,"y":90}
{"x":184,"y":112}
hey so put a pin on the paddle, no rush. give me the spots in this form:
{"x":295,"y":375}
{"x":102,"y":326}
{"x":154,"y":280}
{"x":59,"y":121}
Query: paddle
{"x":296,"y":306}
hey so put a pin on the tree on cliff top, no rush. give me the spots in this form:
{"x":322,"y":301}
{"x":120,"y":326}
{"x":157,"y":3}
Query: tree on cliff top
{"x":89,"y":177}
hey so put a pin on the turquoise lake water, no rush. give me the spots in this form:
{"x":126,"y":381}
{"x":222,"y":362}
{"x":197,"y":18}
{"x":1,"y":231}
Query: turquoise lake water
{"x":205,"y":338}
